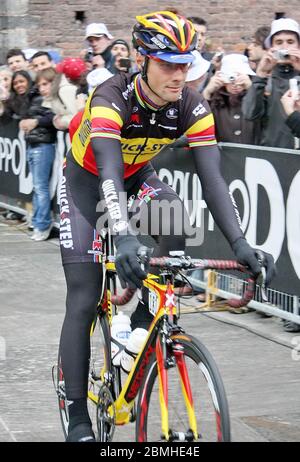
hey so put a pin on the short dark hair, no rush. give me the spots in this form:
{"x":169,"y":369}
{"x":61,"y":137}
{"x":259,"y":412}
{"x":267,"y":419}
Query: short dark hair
{"x":197,"y":20}
{"x":15,"y":52}
{"x":38,"y":54}
{"x":261,"y":34}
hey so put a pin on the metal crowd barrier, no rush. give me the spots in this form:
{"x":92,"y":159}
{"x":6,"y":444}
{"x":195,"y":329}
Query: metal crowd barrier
{"x":226,"y":286}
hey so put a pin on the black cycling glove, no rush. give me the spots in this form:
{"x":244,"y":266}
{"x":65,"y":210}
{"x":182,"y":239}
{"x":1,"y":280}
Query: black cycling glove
{"x":128,"y":268}
{"x":248,"y":256}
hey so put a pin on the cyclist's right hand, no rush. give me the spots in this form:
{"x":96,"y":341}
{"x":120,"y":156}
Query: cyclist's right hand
{"x":129,"y":270}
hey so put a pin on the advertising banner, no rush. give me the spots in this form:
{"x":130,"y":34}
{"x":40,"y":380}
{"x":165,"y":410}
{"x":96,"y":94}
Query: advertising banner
{"x":265,"y":183}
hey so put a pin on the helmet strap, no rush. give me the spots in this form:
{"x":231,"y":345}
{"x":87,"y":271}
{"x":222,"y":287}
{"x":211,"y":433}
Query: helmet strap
{"x":144,"y":70}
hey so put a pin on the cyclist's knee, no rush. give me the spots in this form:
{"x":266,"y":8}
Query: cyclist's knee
{"x":84,"y":283}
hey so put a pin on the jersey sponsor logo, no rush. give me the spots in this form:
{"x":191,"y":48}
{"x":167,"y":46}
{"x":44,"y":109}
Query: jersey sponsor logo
{"x":132,"y":148}
{"x":167,"y":127}
{"x":97,"y":246}
{"x":65,"y":230}
{"x":146,"y":193}
{"x":84,"y":131}
{"x":200,"y":109}
{"x":111,"y":199}
{"x":135,"y":126}
{"x":135,"y":118}
{"x":172,"y":113}
{"x":130,"y":88}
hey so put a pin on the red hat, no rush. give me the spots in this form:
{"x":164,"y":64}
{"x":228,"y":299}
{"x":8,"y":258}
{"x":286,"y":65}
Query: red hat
{"x":73,"y":68}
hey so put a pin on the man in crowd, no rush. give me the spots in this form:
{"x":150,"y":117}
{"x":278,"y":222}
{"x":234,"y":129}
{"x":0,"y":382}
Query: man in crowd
{"x":16,"y":60}
{"x":99,"y":40}
{"x":41,"y":60}
{"x":279,"y":63}
{"x":200,"y":26}
{"x":256,"y":47}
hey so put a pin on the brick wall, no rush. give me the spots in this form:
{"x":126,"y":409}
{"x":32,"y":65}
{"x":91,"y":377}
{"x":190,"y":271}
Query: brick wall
{"x":52,"y":24}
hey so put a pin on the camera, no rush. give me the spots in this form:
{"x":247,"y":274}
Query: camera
{"x":294,"y":87}
{"x":125,"y":63}
{"x":229,"y":78}
{"x":281,"y":54}
{"x":89,"y":56}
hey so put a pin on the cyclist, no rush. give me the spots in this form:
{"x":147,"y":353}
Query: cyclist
{"x":125,"y":123}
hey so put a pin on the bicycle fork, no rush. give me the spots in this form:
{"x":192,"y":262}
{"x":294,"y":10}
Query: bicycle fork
{"x":163,"y":364}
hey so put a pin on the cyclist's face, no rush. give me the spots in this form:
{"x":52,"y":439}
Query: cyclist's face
{"x":166,"y":79}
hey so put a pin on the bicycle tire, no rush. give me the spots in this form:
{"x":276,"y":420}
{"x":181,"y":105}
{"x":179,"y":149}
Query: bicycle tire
{"x":210,"y":402}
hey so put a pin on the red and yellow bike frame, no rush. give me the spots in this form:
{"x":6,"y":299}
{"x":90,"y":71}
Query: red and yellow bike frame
{"x":123,"y":405}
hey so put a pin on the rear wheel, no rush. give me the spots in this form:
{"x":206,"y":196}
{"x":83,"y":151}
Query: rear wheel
{"x":208,"y":394}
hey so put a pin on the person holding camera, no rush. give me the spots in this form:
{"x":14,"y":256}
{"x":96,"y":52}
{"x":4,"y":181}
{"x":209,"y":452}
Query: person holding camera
{"x":291,"y":105}
{"x":279,"y":64}
{"x":225,"y":92}
{"x":99,"y":41}
{"x":121,"y":51}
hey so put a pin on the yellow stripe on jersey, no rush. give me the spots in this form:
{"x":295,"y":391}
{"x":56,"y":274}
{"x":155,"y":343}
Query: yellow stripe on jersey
{"x":201,"y":125}
{"x":103,"y":112}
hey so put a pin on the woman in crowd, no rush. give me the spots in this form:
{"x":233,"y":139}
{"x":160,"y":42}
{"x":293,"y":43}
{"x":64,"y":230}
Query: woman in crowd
{"x":61,"y":99}
{"x":225,"y":92}
{"x":25,"y":105}
{"x":17,"y":102}
{"x":40,"y":137}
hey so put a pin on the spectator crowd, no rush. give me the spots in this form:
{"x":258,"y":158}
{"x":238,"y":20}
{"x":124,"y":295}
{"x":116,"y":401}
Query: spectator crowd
{"x":253,"y":92}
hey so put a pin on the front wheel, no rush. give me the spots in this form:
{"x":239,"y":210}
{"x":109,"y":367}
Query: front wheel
{"x":206,"y":390}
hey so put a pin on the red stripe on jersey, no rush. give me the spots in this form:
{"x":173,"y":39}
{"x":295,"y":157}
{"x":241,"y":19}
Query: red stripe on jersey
{"x":208,"y":131}
{"x":101,"y":123}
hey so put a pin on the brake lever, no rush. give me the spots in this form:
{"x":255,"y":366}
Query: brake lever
{"x":261,"y":279}
{"x":144,"y":254}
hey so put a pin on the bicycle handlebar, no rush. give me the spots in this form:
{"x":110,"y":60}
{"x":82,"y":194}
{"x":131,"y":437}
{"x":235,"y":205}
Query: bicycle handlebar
{"x":176,"y":263}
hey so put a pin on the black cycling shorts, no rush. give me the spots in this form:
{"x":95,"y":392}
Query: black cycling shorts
{"x":80,"y":240}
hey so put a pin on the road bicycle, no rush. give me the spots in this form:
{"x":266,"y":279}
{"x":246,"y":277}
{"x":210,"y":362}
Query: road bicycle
{"x":174,"y":391}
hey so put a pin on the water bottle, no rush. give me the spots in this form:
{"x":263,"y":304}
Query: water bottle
{"x":135,"y":343}
{"x":120,"y":332}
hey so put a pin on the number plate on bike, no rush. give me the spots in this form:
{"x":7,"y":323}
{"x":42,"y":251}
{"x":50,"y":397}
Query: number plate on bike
{"x":153,"y":303}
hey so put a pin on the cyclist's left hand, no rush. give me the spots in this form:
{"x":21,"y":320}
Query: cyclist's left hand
{"x":248,"y":256}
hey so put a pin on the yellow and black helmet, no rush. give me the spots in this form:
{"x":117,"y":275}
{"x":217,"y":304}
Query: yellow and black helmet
{"x":166,"y":35}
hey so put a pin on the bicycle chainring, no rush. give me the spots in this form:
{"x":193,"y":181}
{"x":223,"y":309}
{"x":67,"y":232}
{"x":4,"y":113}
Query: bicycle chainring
{"x":105,"y":414}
